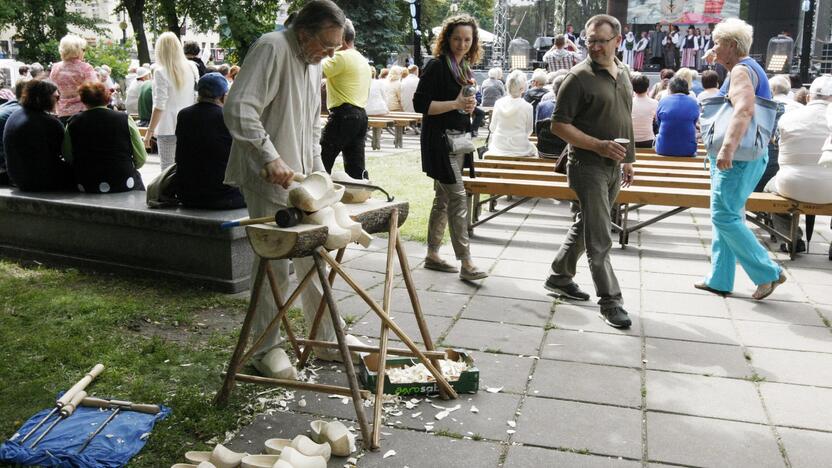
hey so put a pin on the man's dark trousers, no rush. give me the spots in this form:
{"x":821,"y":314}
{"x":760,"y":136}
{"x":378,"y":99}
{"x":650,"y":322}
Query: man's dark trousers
{"x":345,"y":131}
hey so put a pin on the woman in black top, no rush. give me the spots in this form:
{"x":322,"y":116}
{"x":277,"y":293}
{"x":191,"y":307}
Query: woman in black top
{"x":440,"y":100}
{"x":32,"y":141}
{"x":104,"y":146}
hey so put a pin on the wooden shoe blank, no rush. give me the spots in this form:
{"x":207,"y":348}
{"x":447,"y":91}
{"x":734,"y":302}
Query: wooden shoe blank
{"x":316,"y":191}
{"x":276,"y":364}
{"x":338,"y":237}
{"x":299,"y":460}
{"x":352,"y":194}
{"x":357,"y":234}
{"x":259,"y":461}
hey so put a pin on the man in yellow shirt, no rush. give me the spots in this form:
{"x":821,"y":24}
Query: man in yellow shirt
{"x":347,"y":89}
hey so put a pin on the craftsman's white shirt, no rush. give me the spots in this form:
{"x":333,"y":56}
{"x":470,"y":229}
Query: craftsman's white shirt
{"x":273,"y":111}
{"x":802,"y":135}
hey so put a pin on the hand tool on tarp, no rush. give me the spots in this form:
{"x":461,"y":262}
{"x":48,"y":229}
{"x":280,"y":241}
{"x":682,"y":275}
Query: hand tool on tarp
{"x":288,"y":217}
{"x":66,"y":411}
{"x":118,"y":406}
{"x":67,"y":397}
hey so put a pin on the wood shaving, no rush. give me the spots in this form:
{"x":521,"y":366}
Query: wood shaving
{"x":451,"y":370}
{"x":474,"y":409}
{"x":494,"y":389}
{"x":388,"y":454}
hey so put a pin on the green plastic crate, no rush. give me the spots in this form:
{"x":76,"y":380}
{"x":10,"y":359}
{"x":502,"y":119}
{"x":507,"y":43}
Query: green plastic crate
{"x":469,"y":380}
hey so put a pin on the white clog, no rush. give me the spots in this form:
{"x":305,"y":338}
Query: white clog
{"x":296,"y":459}
{"x":277,"y":365}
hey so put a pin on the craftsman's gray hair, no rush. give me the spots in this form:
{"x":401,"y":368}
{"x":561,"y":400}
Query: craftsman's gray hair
{"x":318,"y":15}
{"x":605,"y":19}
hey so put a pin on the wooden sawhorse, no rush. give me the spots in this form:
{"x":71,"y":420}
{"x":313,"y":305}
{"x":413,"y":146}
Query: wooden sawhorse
{"x":270,"y":242}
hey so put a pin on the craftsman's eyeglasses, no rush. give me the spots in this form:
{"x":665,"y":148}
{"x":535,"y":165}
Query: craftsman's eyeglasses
{"x":599,"y":42}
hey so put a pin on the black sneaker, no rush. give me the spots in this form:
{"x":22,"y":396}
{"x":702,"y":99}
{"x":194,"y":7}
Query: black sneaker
{"x":616,"y":317}
{"x":571,"y":290}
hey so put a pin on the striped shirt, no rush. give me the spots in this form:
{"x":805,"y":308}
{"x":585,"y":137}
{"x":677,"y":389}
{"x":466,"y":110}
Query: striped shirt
{"x":560,"y":59}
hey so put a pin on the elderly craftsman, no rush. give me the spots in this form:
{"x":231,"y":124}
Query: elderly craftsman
{"x":272,"y":113}
{"x":594,"y":108}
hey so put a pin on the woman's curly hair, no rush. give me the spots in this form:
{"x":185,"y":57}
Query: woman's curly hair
{"x":443,"y":41}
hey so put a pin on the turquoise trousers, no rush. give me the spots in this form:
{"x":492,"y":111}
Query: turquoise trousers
{"x":733,"y":240}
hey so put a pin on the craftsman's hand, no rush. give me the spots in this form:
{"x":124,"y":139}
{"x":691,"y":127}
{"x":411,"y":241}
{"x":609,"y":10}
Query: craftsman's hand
{"x":278,"y":173}
{"x":148,"y":137}
{"x":628,"y":174}
{"x":612,"y":150}
{"x":466,"y":103}
{"x":723,"y":161}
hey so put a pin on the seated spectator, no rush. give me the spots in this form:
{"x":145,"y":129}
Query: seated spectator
{"x":232,"y":74}
{"x":493,"y":87}
{"x":202,"y":149}
{"x":644,"y":111}
{"x":409,"y":85}
{"x":664,"y":78}
{"x":549,"y":145}
{"x":686,"y":74}
{"x":131,"y":101}
{"x":803,"y":133}
{"x":801,"y":96}
{"x":6,"y":110}
{"x":6,"y":94}
{"x":512,"y":121}
{"x":392,"y":88}
{"x":537,"y":90}
{"x":104,"y":146}
{"x":145,"y":104}
{"x":32,"y":141}
{"x":780,"y":89}
{"x":710,"y":81}
{"x":376,"y":104}
{"x":546,"y":106}
{"x":677,"y":115}
{"x":23,"y":73}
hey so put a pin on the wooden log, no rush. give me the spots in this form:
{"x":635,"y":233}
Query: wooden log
{"x":374,"y":214}
{"x":272,"y":242}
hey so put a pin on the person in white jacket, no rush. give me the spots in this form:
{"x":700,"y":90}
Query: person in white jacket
{"x":376,"y":103}
{"x":511,"y":121}
{"x":803,"y":134}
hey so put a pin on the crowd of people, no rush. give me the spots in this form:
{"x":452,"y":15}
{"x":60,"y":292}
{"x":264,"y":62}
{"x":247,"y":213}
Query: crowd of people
{"x":238,"y":135}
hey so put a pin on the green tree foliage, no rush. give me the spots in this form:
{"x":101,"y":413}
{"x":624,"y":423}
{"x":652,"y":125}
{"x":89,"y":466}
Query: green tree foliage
{"x":40,"y":25}
{"x":435,"y":11}
{"x":113,"y":54}
{"x":243,"y":21}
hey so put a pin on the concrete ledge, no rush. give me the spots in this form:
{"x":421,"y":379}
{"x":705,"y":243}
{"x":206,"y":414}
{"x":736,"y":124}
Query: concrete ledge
{"x":118,"y":232}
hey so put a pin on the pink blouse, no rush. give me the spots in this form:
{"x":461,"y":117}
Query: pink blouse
{"x":68,"y":76}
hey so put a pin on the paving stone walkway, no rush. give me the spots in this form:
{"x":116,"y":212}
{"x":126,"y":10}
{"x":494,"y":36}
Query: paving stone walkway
{"x":697,"y":381}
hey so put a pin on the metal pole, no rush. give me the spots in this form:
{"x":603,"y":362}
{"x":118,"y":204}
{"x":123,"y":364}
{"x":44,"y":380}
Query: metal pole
{"x":808,"y":39}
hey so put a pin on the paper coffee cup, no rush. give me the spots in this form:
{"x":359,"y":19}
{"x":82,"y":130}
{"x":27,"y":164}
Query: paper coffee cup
{"x":622,"y":141}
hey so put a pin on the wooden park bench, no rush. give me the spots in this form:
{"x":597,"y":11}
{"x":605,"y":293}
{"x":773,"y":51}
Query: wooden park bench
{"x":680,"y":189}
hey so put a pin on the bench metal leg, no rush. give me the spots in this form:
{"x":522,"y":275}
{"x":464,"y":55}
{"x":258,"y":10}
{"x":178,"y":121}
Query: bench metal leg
{"x":504,"y":210}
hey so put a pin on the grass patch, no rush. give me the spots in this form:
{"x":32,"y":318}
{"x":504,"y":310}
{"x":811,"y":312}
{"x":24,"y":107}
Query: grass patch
{"x":56,"y":324}
{"x":401,"y":175}
{"x":447,"y":433}
{"x":755,"y":377}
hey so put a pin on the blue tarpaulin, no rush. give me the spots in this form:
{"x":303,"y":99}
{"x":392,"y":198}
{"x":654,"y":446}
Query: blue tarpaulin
{"x":121,"y":439}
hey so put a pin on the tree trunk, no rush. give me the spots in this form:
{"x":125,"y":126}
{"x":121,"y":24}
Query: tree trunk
{"x":135,"y":10}
{"x":170,"y":16}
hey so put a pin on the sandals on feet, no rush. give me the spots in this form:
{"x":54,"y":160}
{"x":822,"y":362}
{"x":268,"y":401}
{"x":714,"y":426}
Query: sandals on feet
{"x":704,"y":286}
{"x":764,"y":290}
{"x":440,"y":265}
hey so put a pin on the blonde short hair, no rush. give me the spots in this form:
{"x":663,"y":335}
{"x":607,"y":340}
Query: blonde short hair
{"x":738,"y":31}
{"x":516,"y":83}
{"x":71,"y":47}
{"x":686,"y":74}
{"x":395,"y":73}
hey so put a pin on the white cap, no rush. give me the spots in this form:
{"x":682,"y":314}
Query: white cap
{"x":822,"y":86}
{"x":142,"y":72}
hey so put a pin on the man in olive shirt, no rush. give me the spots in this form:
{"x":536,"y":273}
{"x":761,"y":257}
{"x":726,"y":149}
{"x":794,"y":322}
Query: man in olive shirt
{"x":594,"y":108}
{"x":347,"y":89}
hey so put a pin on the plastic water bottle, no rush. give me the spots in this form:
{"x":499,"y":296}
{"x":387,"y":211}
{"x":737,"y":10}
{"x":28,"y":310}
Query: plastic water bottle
{"x":467,"y":91}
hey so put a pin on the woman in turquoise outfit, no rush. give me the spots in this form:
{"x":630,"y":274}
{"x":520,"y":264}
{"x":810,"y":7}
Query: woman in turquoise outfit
{"x":733,"y":178}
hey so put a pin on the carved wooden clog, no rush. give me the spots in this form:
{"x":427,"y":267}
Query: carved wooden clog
{"x":316,"y":191}
{"x":352,"y":194}
{"x":275,"y":446}
{"x":357,"y":234}
{"x":277,"y":365}
{"x":338,"y":237}
{"x":259,"y":461}
{"x":310,"y":448}
{"x":221,"y":457}
{"x":298,"y":460}
{"x":336,"y":434}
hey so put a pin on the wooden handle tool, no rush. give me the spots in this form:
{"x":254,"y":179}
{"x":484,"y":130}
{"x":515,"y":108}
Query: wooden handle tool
{"x":80,"y":385}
